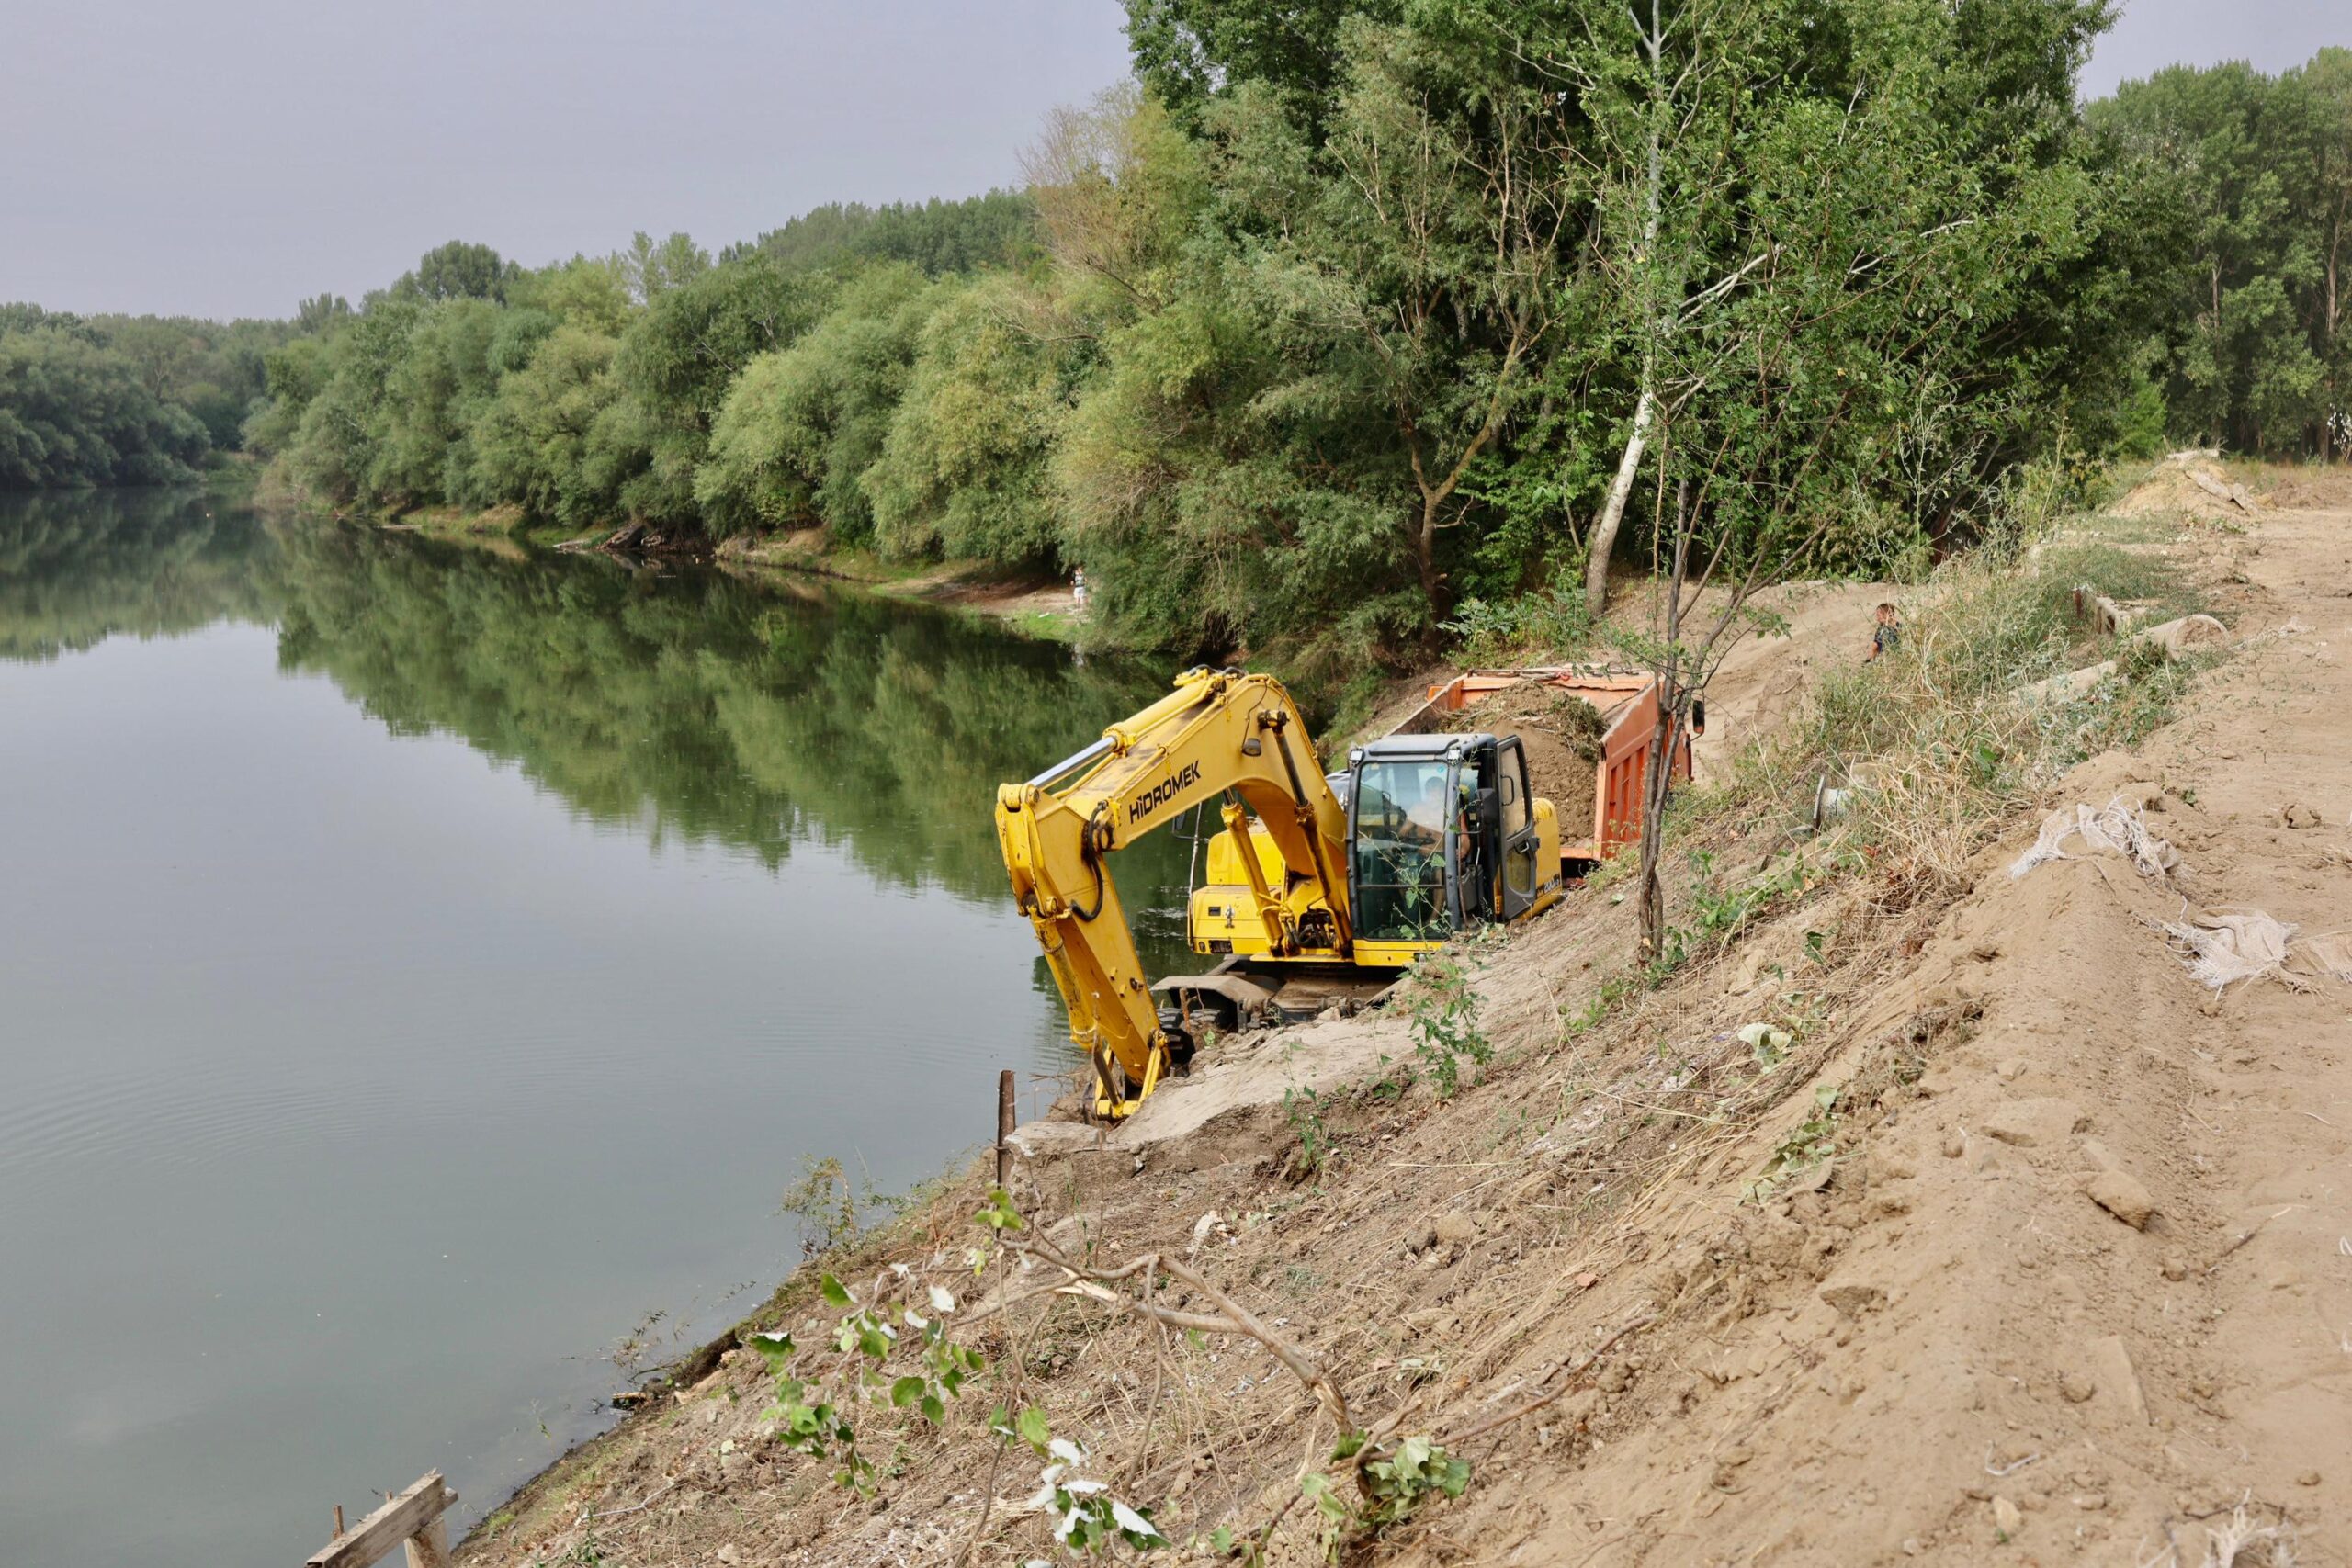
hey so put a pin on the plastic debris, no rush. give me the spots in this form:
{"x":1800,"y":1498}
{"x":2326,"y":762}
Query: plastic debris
{"x":2223,"y":946}
{"x":2116,"y":829}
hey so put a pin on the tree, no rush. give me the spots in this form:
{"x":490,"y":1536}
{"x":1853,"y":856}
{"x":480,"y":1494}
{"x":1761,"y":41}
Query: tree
{"x":802,"y":425}
{"x":1188,"y":52}
{"x":74,"y":413}
{"x":2251,"y":349}
{"x":650,"y":269}
{"x":458,"y":271}
{"x":963,"y":467}
{"x":680,"y":357}
{"x":320,"y":312}
{"x":1855,"y":249}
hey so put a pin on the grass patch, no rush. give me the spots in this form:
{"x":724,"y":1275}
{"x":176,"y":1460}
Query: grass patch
{"x":2097,"y":567}
{"x":1940,"y":742}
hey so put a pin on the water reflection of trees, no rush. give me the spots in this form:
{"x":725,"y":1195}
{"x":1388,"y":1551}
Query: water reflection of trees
{"x":77,"y":567}
{"x":694,"y":705}
{"x":682,"y":704}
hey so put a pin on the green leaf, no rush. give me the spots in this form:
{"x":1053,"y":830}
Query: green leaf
{"x":1033,"y":1428}
{"x":833,"y":1292}
{"x":932,"y":1410}
{"x":905,"y":1392}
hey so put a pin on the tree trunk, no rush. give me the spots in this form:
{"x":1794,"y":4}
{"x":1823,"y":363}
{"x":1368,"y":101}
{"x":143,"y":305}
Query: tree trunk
{"x":1613,"y":510}
{"x":1656,"y":778}
{"x":1425,"y":551}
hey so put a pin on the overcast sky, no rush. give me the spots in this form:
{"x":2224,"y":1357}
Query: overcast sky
{"x":224,"y":157}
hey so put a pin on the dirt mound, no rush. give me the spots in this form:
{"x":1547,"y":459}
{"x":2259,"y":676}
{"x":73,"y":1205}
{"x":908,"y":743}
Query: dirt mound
{"x":1561,"y":734}
{"x":2192,"y":483}
{"x":1764,"y":678}
{"x":2312,"y":488}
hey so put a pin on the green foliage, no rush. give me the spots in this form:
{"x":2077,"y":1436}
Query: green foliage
{"x":1323,"y":342}
{"x":2253,"y":177}
{"x":73,"y":411}
{"x":962,"y":466}
{"x":1395,"y":1486}
{"x":1303,"y":1109}
{"x":938,"y":237}
{"x":801,"y":426}
{"x":818,"y":1416}
{"x":1443,"y":1012}
{"x":1722,"y":913}
{"x":830,"y":1210}
{"x":1552,"y":619}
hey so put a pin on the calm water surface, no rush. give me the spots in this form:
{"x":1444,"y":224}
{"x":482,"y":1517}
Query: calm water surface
{"x":420,"y":966}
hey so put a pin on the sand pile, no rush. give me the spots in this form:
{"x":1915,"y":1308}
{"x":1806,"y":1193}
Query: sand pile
{"x":2312,"y":489}
{"x":2193,"y":482}
{"x":1562,"y":735}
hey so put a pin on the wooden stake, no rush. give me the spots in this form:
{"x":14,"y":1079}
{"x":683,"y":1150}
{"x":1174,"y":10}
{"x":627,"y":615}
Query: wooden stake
{"x":1003,"y":1124}
{"x":338,"y":1521}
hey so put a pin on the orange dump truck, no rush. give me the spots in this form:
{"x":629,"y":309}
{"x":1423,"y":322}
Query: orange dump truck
{"x":1599,"y":800}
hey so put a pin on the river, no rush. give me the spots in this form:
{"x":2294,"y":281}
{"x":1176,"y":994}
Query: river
{"x":426,"y":968}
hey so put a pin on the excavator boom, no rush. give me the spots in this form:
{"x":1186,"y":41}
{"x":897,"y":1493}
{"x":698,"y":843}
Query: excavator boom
{"x":1218,"y":733}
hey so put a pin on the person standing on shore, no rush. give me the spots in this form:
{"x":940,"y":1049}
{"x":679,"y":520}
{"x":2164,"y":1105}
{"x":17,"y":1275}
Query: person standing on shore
{"x":1885,"y":637}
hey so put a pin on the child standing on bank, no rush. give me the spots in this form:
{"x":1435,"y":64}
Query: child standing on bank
{"x":1887,"y":636}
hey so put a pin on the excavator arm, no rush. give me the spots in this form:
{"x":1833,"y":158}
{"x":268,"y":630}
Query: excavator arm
{"x":1219,"y":732}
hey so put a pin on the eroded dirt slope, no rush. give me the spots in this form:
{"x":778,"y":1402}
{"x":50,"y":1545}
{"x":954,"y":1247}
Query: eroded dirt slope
{"x":1938,"y":1347}
{"x":1951,"y":1353}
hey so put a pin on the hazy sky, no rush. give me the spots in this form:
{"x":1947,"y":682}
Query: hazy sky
{"x":230,"y":156}
{"x":220,"y":157}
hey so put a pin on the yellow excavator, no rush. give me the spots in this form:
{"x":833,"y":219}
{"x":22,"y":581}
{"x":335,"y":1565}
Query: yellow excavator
{"x":1318,"y":886}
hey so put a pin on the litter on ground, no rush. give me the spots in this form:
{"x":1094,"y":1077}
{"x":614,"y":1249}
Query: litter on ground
{"x":2116,"y":829}
{"x":2223,"y":946}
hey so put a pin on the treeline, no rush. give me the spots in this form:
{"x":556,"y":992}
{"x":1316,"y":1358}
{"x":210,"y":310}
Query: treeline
{"x":2250,"y":178}
{"x":123,"y":399}
{"x":1332,"y":322}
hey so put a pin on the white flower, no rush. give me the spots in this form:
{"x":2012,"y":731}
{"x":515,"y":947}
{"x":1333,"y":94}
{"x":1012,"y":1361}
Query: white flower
{"x":1067,"y":1451}
{"x":942,"y":1299}
{"x":1078,"y":1486}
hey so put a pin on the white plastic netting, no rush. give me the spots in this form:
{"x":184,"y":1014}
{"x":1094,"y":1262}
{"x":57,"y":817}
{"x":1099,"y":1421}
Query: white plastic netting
{"x":2118,"y":827}
{"x":2223,"y":946}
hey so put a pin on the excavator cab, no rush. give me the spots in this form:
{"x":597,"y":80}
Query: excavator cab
{"x":1442,"y":834}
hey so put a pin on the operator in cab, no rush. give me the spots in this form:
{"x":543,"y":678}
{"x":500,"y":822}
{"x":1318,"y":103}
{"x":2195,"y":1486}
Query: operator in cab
{"x":1427,"y":819}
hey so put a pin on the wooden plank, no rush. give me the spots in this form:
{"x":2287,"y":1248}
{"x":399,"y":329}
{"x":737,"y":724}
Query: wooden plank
{"x":429,"y":1546}
{"x":385,"y":1530}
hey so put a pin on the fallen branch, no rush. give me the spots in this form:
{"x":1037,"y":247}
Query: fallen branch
{"x":1592,"y":1359}
{"x":1094,"y":1283}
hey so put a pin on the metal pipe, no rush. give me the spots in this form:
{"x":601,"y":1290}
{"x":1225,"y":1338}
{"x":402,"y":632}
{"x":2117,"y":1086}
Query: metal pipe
{"x":1071,"y":763}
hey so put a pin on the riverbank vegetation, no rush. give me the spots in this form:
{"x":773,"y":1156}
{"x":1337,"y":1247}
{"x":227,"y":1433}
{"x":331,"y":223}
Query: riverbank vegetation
{"x":123,"y":399}
{"x":1318,"y":342}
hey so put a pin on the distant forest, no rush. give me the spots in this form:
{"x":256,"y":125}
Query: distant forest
{"x":1320,"y":330}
